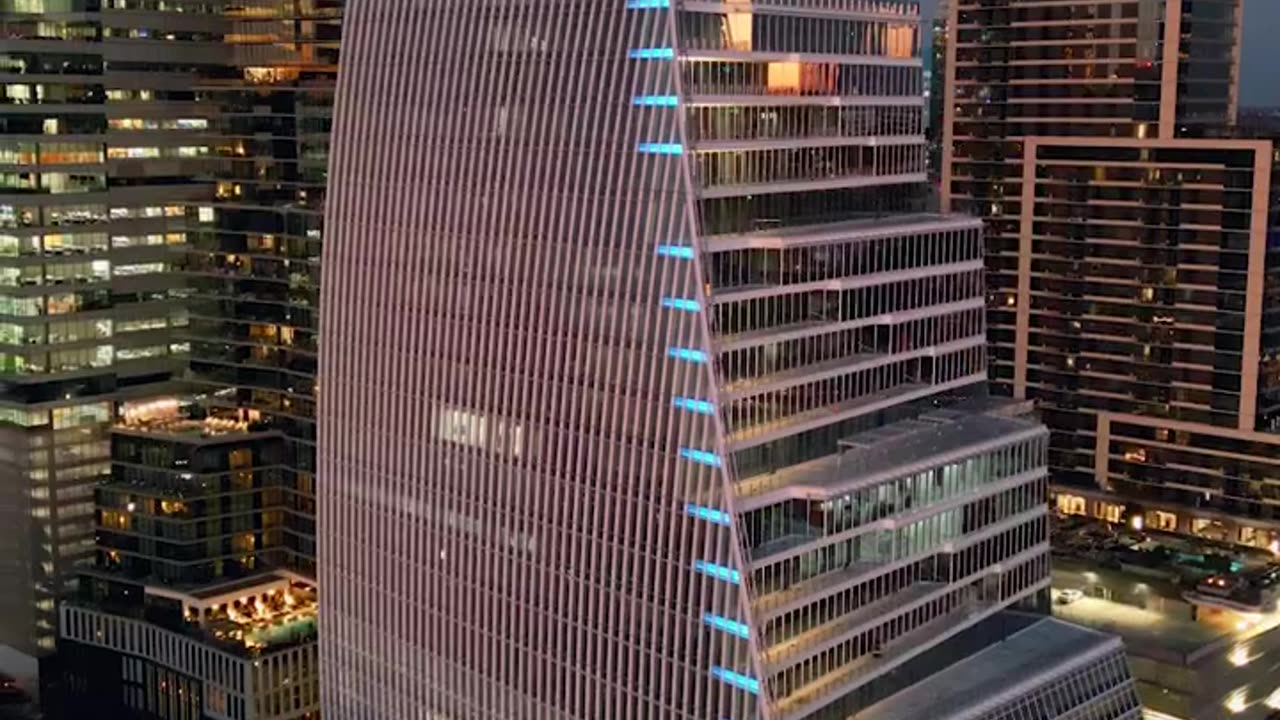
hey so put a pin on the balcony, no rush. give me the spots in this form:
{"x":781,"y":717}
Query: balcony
{"x":796,"y":331}
{"x":853,"y":282}
{"x":836,"y":367}
{"x":805,"y":178}
{"x":780,"y":655}
{"x":847,"y":232}
{"x":771,"y":605}
{"x":892,"y":451}
{"x":802,"y":539}
{"x":759,"y":434}
{"x":845,"y":9}
{"x":746,"y":76}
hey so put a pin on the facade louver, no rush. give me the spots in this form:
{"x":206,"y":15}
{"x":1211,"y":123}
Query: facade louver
{"x":649,"y":392}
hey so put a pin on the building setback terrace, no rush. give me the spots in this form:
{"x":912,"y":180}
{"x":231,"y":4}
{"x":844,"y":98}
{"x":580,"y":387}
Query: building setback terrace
{"x":885,"y":453}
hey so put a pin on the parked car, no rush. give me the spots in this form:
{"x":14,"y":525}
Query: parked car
{"x":1068,"y":596}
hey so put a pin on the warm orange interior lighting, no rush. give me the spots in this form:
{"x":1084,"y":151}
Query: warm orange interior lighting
{"x":737,"y":27}
{"x":901,"y":41}
{"x":784,"y":78}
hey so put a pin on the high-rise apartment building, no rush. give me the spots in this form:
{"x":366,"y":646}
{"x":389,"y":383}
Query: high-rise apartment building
{"x":639,"y":403}
{"x":189,"y":613}
{"x":161,"y":174}
{"x":1140,"y":69}
{"x":1143,"y":329}
{"x":253,"y":277}
{"x":937,"y":86}
{"x":1128,"y":266}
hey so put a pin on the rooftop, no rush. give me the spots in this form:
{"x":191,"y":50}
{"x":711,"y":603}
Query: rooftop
{"x":1149,"y":612}
{"x":181,"y":427}
{"x":260,"y":614}
{"x":180,"y":420}
{"x":1043,"y":650}
{"x":264,"y":620}
{"x":1145,"y":585}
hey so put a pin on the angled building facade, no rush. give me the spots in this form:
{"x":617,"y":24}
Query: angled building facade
{"x":648,"y":393}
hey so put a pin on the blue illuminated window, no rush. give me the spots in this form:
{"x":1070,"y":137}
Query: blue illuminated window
{"x":684,"y":252}
{"x":681,"y":304}
{"x":660,"y":53}
{"x":733,"y":627}
{"x":700,"y":456}
{"x":656,"y":100}
{"x":696,"y":356}
{"x":648,"y":4}
{"x":701,"y":407}
{"x":711,"y":515}
{"x":718,"y":572}
{"x":737,"y":680}
{"x":661,"y":148}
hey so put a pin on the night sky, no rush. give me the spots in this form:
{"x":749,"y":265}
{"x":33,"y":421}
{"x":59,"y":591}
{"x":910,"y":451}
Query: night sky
{"x":1261,"y":17}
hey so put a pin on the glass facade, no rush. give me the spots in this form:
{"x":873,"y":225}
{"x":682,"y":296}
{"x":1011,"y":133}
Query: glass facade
{"x":100,"y":146}
{"x":254,"y":271}
{"x":191,"y":502}
{"x":161,"y":183}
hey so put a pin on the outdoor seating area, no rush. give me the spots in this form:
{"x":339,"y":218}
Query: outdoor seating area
{"x":262,"y":618}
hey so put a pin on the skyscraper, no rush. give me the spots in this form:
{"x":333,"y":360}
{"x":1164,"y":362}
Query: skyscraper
{"x":1127,"y":256}
{"x":199,"y":598}
{"x":640,"y":401}
{"x":101,"y":146}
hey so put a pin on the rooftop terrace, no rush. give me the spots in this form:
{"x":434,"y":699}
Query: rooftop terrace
{"x":174,"y":418}
{"x":248,"y":617}
{"x":982,"y":680}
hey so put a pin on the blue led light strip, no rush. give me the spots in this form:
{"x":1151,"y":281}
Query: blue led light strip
{"x":702,"y":407}
{"x":701,"y":456}
{"x":660,"y":148}
{"x":711,"y":515}
{"x":656,"y":53}
{"x":681,"y":304}
{"x":684,"y":252}
{"x":694,"y":356}
{"x":733,"y":627}
{"x":648,"y":4}
{"x":718,"y":572}
{"x":738,"y":680}
{"x":656,"y":100}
